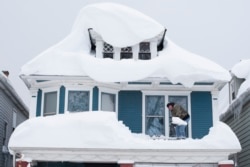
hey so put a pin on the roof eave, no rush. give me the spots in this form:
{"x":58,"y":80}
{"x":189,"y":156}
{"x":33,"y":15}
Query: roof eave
{"x":135,"y":155}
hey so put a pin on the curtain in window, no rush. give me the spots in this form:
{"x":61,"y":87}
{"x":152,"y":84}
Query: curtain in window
{"x":78,"y":101}
{"x":155,"y":115}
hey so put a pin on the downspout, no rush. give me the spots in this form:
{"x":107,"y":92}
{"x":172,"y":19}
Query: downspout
{"x":14,"y":159}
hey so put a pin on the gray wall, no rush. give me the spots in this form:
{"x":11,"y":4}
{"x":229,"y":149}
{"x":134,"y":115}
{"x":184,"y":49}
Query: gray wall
{"x":7,"y":107}
{"x":238,"y":118}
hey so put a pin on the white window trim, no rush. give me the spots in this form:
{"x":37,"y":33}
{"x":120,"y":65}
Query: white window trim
{"x":47,"y":90}
{"x":111,"y":91}
{"x":166,"y":94}
{"x":78,"y":88}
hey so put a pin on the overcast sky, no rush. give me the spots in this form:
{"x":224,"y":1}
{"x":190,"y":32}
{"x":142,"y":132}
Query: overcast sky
{"x":216,"y":29}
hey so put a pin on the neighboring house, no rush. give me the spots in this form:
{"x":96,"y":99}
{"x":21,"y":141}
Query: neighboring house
{"x":119,"y":60}
{"x":12,"y":112}
{"x":237,"y":116}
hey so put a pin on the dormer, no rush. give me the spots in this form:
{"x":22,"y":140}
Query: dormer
{"x":144,"y":50}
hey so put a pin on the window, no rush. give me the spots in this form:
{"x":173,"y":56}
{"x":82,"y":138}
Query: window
{"x":126,"y":53}
{"x":50,"y":103}
{"x":144,"y":52}
{"x":155,"y":115}
{"x":108,"y":102}
{"x":78,"y":101}
{"x":14,"y":119}
{"x":5,"y":128}
{"x":183,"y":102}
{"x":108,"y":50}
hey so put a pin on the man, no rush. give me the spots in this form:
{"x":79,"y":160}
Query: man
{"x":177,"y":111}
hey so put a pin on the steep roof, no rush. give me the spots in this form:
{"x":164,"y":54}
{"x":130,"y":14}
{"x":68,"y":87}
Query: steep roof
{"x":121,"y":26}
{"x":7,"y":87}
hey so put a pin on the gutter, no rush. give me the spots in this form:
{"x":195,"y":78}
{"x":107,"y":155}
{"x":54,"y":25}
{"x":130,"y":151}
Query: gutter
{"x":136,"y":155}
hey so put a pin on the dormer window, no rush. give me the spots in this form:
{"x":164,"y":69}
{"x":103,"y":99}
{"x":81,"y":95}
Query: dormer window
{"x":144,"y":52}
{"x":108,"y":50}
{"x":126,"y":53}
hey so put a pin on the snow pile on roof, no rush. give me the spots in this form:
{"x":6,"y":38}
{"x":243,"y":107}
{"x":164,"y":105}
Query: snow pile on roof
{"x":102,"y":130}
{"x":121,"y":26}
{"x":242,"y":70}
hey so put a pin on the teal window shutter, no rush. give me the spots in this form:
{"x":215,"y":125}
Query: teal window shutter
{"x":61,"y":100}
{"x":39,"y":103}
{"x":201,"y":113}
{"x":130,"y":109}
{"x":95,"y":99}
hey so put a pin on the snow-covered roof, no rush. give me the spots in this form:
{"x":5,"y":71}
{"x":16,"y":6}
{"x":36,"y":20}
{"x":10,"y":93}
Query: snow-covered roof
{"x":6,"y":86}
{"x":121,"y":26}
{"x":101,"y":130}
{"x":242,"y":70}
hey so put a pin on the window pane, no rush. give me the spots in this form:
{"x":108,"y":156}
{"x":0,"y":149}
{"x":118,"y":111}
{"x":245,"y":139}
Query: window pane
{"x":108,"y":50}
{"x":126,"y":53}
{"x":155,"y":105}
{"x":155,"y":115}
{"x":155,"y":126}
{"x":78,"y":101}
{"x":145,"y":47}
{"x":108,"y":102}
{"x":144,"y":53}
{"x":50,"y":103}
{"x":14,"y":123}
{"x":182,"y":101}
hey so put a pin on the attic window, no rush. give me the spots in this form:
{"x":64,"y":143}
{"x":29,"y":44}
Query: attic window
{"x":144,"y":53}
{"x":126,"y":53}
{"x":108,"y":50}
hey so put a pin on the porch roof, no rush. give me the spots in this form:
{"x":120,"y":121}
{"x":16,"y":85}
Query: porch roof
{"x":98,"y":136}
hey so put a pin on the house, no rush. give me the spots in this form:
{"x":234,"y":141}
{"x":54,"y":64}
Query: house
{"x":13,"y":111}
{"x":119,"y":63}
{"x":237,"y":116}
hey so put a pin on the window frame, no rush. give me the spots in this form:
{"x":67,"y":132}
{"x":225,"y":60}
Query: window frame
{"x":78,"y":88}
{"x":49,"y":90}
{"x":166,"y":118}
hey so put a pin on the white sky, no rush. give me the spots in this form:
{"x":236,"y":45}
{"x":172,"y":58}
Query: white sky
{"x":218,"y":30}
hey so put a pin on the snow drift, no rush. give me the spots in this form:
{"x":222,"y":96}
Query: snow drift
{"x":99,"y":129}
{"x":121,"y":26}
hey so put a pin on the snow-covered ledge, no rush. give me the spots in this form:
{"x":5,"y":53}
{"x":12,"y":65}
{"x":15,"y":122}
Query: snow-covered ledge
{"x":100,"y":137}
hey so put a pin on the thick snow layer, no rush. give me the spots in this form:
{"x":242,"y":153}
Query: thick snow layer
{"x":100,"y":129}
{"x":178,"y":121}
{"x":121,"y":26}
{"x":242,"y":70}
